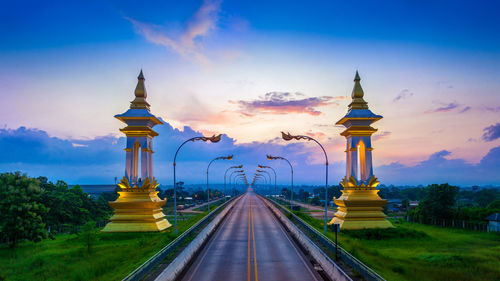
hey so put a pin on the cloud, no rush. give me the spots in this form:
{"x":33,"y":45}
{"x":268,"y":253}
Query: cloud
{"x":491,"y":133}
{"x":445,"y":108}
{"x":492,"y":108}
{"x":381,"y":135}
{"x":285,"y":103}
{"x":187,"y":42}
{"x":101,"y":159}
{"x":438,"y":168}
{"x":465,"y":109}
{"x":404,"y":94}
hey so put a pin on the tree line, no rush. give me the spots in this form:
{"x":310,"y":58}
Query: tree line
{"x":437,"y":202}
{"x":35,"y":208}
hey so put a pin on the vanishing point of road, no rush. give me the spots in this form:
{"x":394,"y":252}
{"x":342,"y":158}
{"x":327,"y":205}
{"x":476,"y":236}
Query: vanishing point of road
{"x":251,"y":244}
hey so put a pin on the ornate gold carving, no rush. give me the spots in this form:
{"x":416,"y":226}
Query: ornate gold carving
{"x":352,"y":183}
{"x":147,"y":185}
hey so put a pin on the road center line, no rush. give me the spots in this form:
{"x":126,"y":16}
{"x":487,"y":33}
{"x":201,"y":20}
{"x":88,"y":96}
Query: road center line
{"x":254,"y":250}
{"x":248,"y":255}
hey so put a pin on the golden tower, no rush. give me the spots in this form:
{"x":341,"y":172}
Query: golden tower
{"x":359,"y":206}
{"x":138,"y":208}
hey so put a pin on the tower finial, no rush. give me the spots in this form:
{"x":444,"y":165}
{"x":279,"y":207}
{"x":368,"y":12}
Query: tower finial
{"x":356,"y":78}
{"x":357,"y":95}
{"x":140,"y":94}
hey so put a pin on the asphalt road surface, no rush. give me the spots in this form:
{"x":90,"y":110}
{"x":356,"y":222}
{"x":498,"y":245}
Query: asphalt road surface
{"x":251,"y":245}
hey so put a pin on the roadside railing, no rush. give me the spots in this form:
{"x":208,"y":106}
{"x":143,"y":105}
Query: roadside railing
{"x":352,"y":261}
{"x":140,"y":272}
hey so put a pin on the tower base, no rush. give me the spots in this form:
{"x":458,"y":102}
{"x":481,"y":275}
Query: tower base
{"x":137,"y":210}
{"x":360,"y":207}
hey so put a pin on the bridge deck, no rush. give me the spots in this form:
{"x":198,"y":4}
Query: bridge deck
{"x":251,"y":245}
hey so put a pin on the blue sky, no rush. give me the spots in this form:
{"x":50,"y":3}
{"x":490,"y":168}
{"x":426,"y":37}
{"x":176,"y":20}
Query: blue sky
{"x":234,"y":67}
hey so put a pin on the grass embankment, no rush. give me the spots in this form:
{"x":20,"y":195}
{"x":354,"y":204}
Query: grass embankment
{"x":112,"y":257}
{"x":414,"y":251}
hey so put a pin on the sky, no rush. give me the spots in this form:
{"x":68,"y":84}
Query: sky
{"x":248,"y":70}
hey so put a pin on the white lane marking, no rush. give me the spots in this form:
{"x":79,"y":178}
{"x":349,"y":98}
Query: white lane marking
{"x":293,"y":245}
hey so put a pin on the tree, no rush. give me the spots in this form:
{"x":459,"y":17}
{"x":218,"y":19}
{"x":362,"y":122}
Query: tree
{"x":89,"y":234}
{"x":71,"y":206}
{"x":315,"y":201}
{"x":438,"y":203}
{"x":21,"y":211}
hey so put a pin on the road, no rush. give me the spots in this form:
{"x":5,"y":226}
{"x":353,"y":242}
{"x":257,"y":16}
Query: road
{"x":251,"y":245}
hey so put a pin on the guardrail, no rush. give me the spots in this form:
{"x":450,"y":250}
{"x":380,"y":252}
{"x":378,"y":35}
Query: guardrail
{"x":356,"y":264}
{"x":140,"y":272}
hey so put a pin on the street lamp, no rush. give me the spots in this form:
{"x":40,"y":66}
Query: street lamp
{"x":269,"y":157}
{"x":260,"y":176}
{"x":238,"y":177}
{"x":225,"y":173}
{"x":232,"y":173}
{"x":268,"y":167}
{"x":213,"y":139}
{"x":268,"y":174}
{"x":231,"y":179}
{"x":289,"y":137}
{"x":230,"y":157}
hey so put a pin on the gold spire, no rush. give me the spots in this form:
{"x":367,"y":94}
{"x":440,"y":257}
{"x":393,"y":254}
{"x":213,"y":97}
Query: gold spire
{"x":357,"y":95}
{"x":140,"y":94}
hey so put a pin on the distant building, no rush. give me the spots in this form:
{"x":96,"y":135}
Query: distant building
{"x":95,"y":190}
{"x":412,"y":204}
{"x":493,"y":222}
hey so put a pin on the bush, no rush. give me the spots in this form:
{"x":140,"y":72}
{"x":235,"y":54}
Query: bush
{"x":398,"y":268}
{"x":443,"y":259}
{"x":20,"y":210}
{"x":89,"y":235}
{"x":384,"y":233}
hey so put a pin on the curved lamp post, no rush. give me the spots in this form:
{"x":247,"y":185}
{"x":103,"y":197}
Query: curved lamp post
{"x":230,"y":157}
{"x":269,"y":157}
{"x":233,"y":180}
{"x":263,"y":178}
{"x":268,"y":167}
{"x":268,"y":174}
{"x":239,"y":177}
{"x":232,"y":173}
{"x":243,"y":180}
{"x":258,"y":177}
{"x":289,"y":137}
{"x":213,"y":139}
{"x":225,"y":173}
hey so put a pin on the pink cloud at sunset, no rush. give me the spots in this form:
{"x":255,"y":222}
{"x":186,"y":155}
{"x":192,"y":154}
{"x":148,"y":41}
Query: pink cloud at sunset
{"x":285,"y":103}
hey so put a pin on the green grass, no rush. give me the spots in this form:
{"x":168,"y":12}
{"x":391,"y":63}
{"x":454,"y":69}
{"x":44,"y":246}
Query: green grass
{"x":113,"y":256}
{"x":422,"y":252}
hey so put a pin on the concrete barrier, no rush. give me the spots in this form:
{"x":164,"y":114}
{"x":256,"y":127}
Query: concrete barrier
{"x":329,"y":266}
{"x":175,"y":268}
